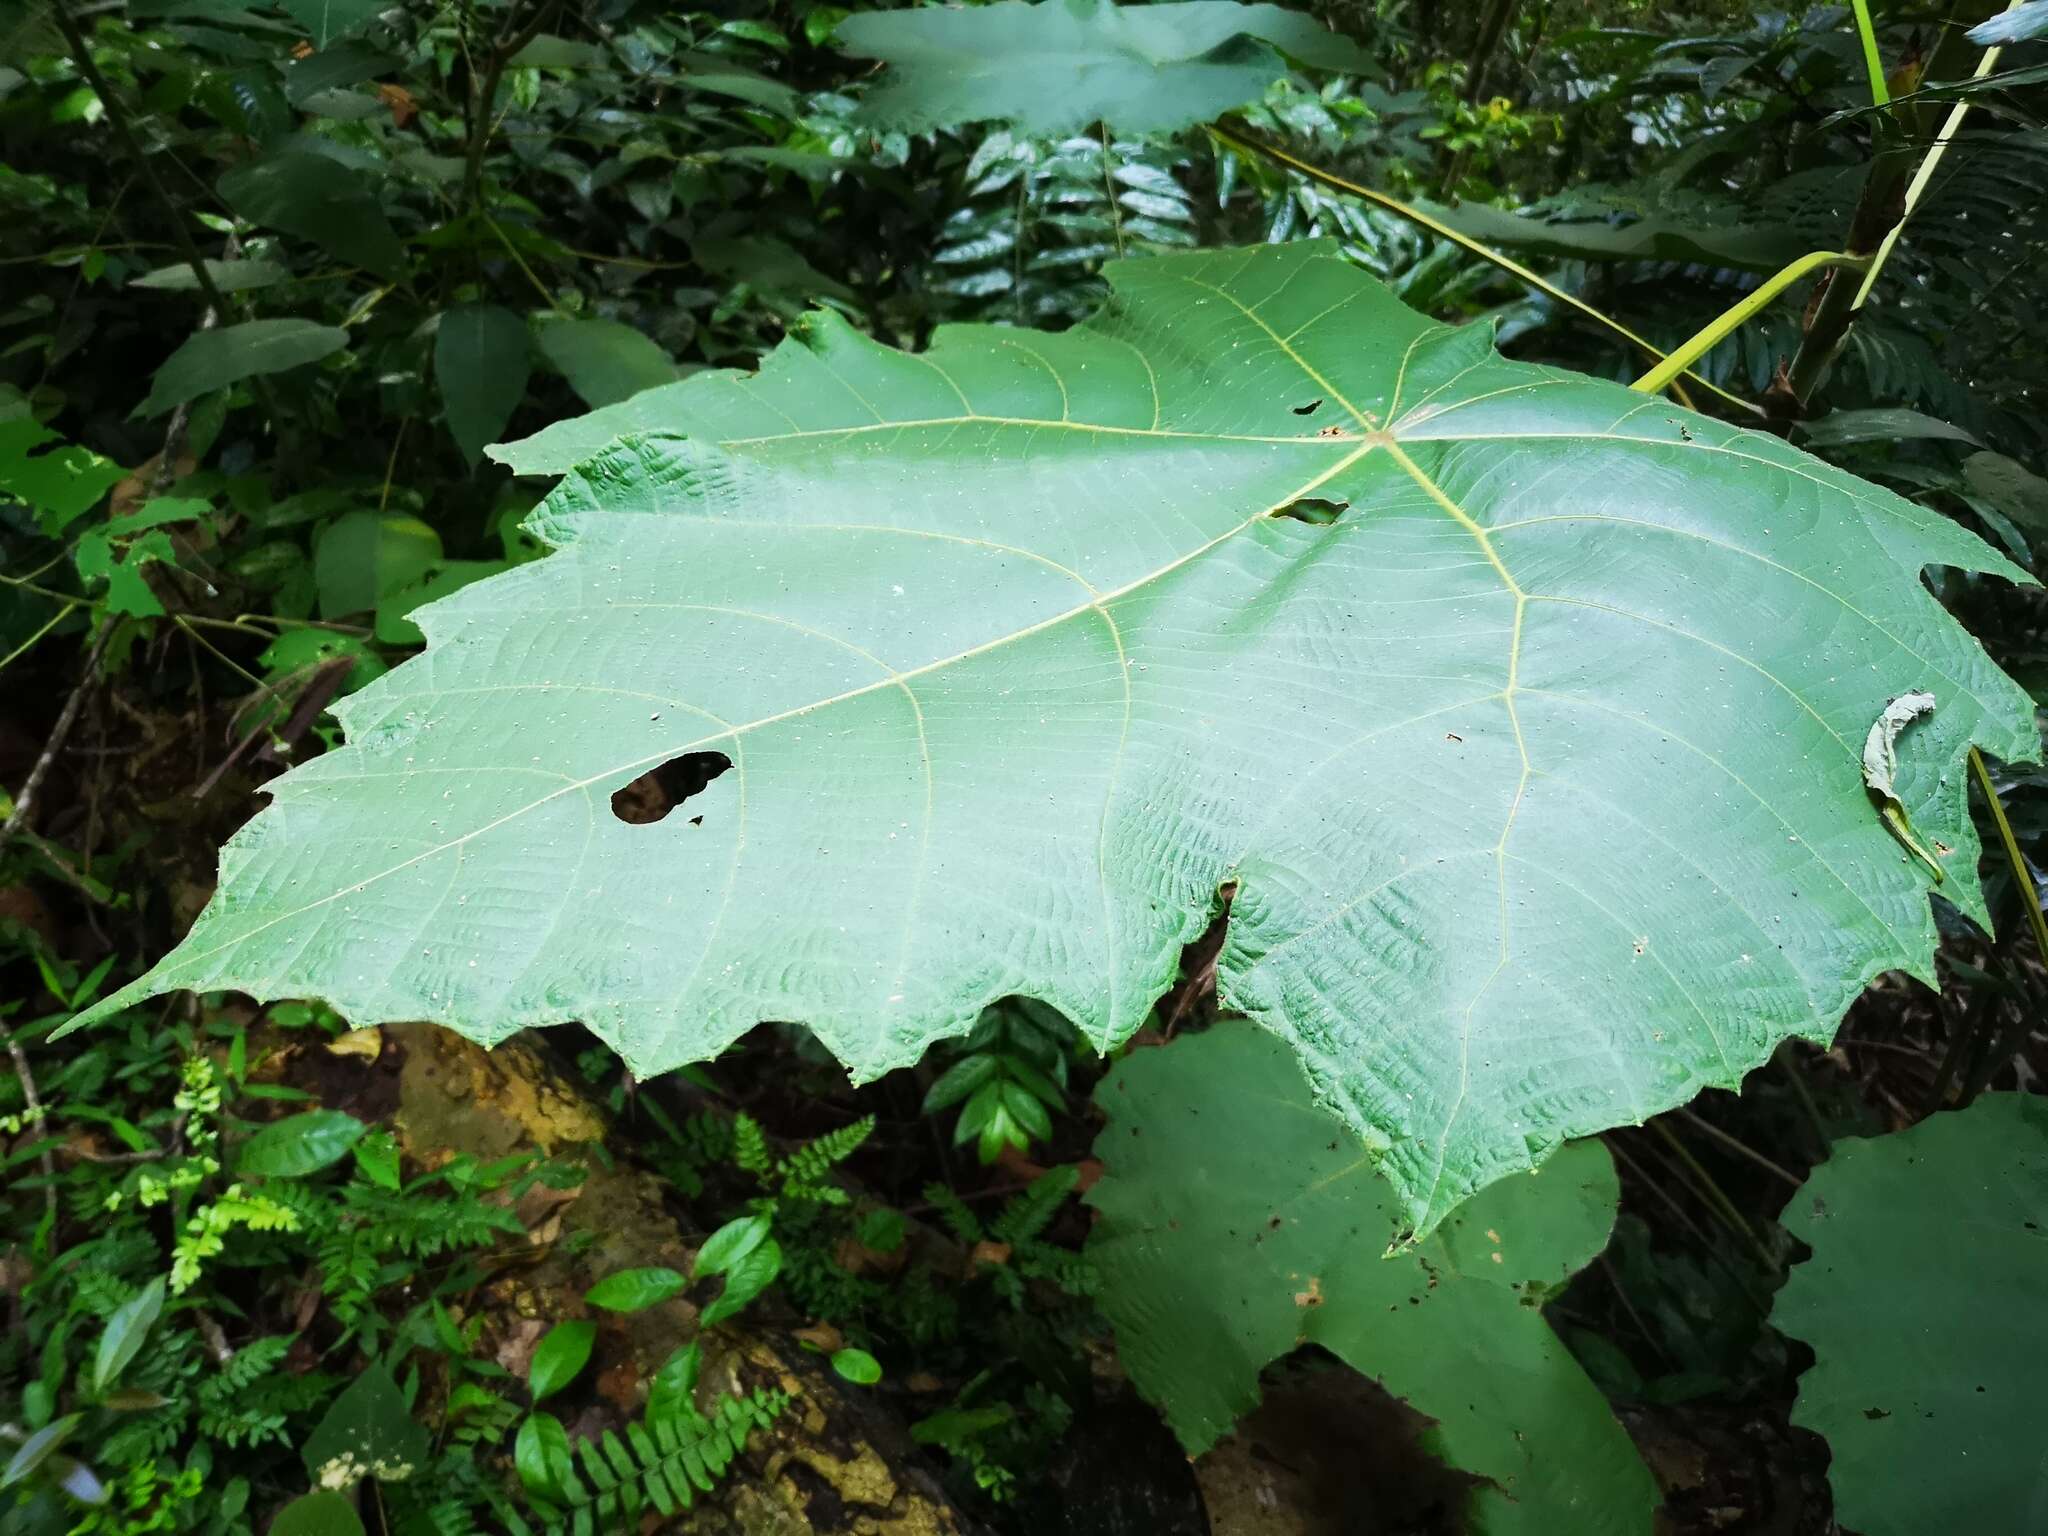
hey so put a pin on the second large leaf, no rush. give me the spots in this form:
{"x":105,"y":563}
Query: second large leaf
{"x":1523,"y":716}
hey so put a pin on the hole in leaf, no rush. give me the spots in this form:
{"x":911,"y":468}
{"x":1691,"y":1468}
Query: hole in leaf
{"x":662,"y":788}
{"x":1308,"y":410}
{"x":1314,"y":510}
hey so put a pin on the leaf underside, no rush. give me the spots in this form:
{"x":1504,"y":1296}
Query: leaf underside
{"x":1535,"y":771}
{"x":1236,"y":1223}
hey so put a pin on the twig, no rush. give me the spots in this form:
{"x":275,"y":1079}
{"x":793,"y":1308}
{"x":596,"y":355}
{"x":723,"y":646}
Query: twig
{"x":29,"y":1096}
{"x":1739,"y":1148}
{"x":18,"y":817}
{"x":81,"y":54}
{"x":1716,"y":1197}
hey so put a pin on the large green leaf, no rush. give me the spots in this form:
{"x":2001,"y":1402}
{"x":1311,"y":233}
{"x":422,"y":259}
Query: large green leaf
{"x":210,"y":360}
{"x":1060,"y":65}
{"x":480,"y":364}
{"x":326,"y":20}
{"x":604,"y":361}
{"x":1240,"y":1221}
{"x":1536,"y":773}
{"x":319,"y":199}
{"x":1923,"y":1304}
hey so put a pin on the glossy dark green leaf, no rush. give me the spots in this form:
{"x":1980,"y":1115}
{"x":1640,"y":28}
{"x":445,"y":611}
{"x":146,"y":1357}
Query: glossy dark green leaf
{"x":729,"y":1244}
{"x":635,"y":1290}
{"x":299,"y":1144}
{"x":745,"y":1278}
{"x":857,"y":1366}
{"x":560,"y":1358}
{"x":540,"y":1455}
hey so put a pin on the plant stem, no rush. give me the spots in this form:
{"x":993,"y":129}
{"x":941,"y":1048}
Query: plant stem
{"x":1239,"y":138}
{"x":1834,"y":312}
{"x":1918,"y":185}
{"x":1739,"y":1147}
{"x":1880,"y":95}
{"x":2028,"y":893}
{"x":1704,"y":340}
{"x":18,"y":817}
{"x":81,"y":53}
{"x":1715,"y":1196}
{"x":29,"y":644}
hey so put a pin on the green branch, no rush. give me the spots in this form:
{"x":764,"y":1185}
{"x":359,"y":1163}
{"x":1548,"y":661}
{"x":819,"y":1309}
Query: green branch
{"x":1704,"y":340}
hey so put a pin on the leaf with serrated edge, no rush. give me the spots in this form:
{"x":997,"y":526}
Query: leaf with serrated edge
{"x":1536,"y":772}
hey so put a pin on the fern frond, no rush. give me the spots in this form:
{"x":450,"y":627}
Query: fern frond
{"x":662,"y":1465}
{"x":1028,"y":1213}
{"x":954,"y":1212}
{"x":750,"y":1147}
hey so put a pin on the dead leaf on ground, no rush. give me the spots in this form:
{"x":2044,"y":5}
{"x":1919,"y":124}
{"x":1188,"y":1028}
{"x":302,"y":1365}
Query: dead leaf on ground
{"x":366,"y":1043}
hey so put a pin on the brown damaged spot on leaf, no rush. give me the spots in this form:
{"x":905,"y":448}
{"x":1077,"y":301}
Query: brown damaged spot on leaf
{"x":1313,"y":1296}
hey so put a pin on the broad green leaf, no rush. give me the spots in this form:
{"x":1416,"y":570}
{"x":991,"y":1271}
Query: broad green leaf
{"x":37,"y":1449}
{"x":300,"y":1144}
{"x":1535,"y":770}
{"x":58,"y":482}
{"x":366,"y":1432}
{"x":1056,"y":66}
{"x":377,"y":1159}
{"x":559,"y":1358}
{"x":729,"y":1244}
{"x":540,"y":1455}
{"x":228,"y":276}
{"x":1922,"y":1302}
{"x":746,"y":1277}
{"x":1239,"y":1221}
{"x":335,"y":69}
{"x":1886,"y":425}
{"x":362,"y":558}
{"x":857,"y":1366}
{"x":669,"y":1395}
{"x":210,"y":360}
{"x":320,"y":1513}
{"x":124,"y":1334}
{"x":605,"y":362}
{"x":2010,"y":487}
{"x":326,"y":20}
{"x":480,"y":364}
{"x":309,"y":195}
{"x":635,"y":1290}
{"x":1602,"y":235}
